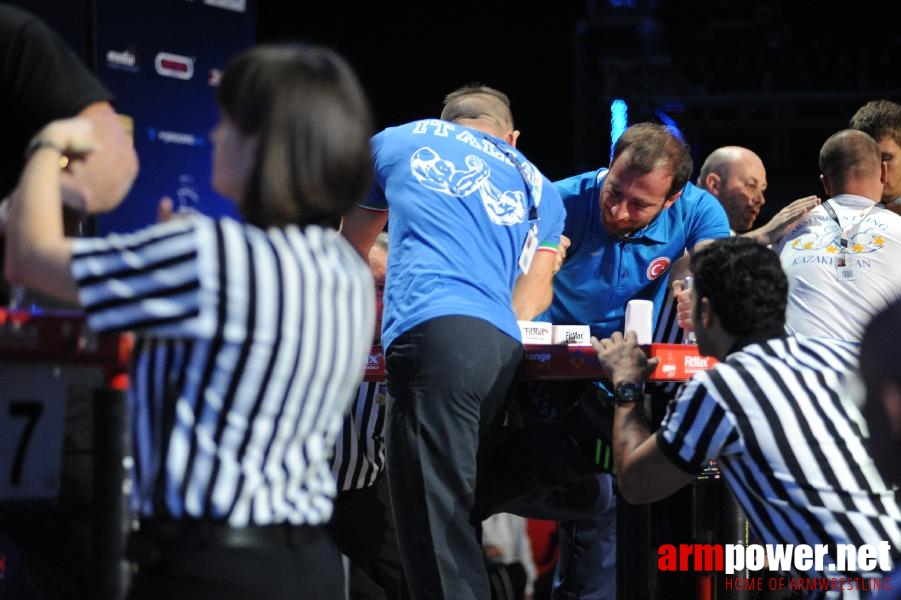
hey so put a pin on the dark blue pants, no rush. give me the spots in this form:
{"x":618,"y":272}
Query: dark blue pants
{"x":447,"y":381}
{"x":586,"y":569}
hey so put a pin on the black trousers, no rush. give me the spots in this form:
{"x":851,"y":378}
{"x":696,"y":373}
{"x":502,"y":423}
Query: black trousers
{"x":198,"y":560}
{"x":363,"y":527}
{"x":447,"y":381}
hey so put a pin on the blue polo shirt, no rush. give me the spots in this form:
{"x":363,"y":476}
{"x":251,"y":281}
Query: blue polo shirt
{"x":461,"y":204}
{"x":603,"y":272}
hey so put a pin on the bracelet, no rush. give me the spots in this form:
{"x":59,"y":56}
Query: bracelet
{"x":37,"y":143}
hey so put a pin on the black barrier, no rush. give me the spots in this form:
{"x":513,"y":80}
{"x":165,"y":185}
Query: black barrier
{"x":112,"y":455}
{"x":718,"y":519}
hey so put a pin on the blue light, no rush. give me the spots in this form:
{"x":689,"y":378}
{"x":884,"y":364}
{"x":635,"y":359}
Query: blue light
{"x":670,"y":124}
{"x":619,"y":120}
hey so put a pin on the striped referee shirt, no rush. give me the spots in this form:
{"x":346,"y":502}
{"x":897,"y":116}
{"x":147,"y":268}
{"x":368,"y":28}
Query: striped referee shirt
{"x":359,"y":456}
{"x":667,"y":331}
{"x":778,"y":418}
{"x":250,"y":345}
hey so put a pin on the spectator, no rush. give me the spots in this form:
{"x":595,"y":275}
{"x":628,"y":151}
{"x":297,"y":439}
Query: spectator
{"x":881,"y":119}
{"x":842,"y":260}
{"x":737,"y":178}
{"x":508,"y":553}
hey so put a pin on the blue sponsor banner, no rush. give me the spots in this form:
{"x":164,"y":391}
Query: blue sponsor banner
{"x":162,"y":60}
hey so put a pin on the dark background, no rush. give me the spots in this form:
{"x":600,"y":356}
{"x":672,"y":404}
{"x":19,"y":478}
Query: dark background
{"x":778,"y":77}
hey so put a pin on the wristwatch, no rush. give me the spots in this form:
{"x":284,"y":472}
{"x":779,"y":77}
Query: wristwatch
{"x":626,"y":392}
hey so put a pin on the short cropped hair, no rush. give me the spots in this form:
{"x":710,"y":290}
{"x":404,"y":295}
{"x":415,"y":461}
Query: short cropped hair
{"x":744,"y":282}
{"x":474,"y":101}
{"x":651,"y":146}
{"x":313,"y":124}
{"x":849,"y":154}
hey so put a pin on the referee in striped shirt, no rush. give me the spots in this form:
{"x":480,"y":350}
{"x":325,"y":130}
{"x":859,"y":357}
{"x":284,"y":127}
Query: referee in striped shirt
{"x":775,"y":413}
{"x":251,"y":337}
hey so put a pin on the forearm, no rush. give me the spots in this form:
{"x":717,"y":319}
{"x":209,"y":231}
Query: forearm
{"x":529,"y":304}
{"x":361,"y":226}
{"x":644,"y":474}
{"x":534,"y":291}
{"x":762,"y":235}
{"x":630,"y":430}
{"x":37,"y":253}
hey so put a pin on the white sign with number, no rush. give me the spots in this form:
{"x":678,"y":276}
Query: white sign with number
{"x":32,"y":419}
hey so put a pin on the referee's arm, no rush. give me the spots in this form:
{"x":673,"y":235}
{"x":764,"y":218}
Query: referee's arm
{"x":644,"y":472}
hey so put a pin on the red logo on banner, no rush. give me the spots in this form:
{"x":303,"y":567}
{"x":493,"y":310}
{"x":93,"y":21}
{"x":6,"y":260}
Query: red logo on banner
{"x":174,"y":65}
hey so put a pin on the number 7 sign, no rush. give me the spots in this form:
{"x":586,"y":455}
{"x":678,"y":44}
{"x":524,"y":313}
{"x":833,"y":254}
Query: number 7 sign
{"x":32,"y":417}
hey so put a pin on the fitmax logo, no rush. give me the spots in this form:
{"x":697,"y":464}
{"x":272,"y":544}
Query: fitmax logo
{"x":696,"y":362}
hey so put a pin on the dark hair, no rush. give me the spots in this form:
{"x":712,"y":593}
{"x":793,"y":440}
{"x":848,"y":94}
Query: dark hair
{"x":475,"y":100}
{"x":879,"y":119}
{"x":849,"y":154}
{"x":652,"y":146}
{"x":313,"y":124}
{"x":744,"y":282}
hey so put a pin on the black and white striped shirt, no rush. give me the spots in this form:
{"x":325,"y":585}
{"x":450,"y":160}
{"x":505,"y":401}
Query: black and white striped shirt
{"x":778,"y":418}
{"x":359,"y":456}
{"x":250,"y":346}
{"x":667,"y":331}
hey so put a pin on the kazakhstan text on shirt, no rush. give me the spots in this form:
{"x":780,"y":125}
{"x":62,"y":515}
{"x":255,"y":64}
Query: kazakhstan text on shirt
{"x":827,"y":260}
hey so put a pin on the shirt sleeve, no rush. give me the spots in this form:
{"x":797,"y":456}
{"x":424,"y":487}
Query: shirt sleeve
{"x":46,"y":79}
{"x":696,"y":427}
{"x":709,"y":221}
{"x":552,"y":217}
{"x":375,"y":199}
{"x":143,"y":281}
{"x":42,"y":80}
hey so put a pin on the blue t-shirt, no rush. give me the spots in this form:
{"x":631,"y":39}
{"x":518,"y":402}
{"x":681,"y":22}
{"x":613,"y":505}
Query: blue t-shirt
{"x":460,"y":213}
{"x":603,"y":272}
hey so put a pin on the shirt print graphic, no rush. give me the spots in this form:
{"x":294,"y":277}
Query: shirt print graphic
{"x":506,"y":207}
{"x":823,"y":247}
{"x":862,"y":242}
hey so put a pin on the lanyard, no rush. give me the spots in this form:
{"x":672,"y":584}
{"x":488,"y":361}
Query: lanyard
{"x":846,"y":231}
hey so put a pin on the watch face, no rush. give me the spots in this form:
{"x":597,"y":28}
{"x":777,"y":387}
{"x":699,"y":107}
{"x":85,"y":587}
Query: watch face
{"x":627,"y":392}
